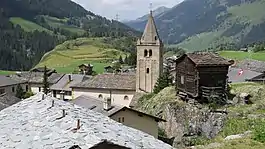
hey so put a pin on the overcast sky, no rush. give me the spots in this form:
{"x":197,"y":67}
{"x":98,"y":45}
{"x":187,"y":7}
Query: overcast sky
{"x":127,"y":9}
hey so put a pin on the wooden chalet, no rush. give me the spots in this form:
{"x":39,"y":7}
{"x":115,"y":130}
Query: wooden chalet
{"x":200,"y":75}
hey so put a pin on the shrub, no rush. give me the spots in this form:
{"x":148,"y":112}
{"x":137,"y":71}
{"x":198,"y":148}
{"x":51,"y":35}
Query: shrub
{"x":28,"y":94}
{"x":259,"y":131}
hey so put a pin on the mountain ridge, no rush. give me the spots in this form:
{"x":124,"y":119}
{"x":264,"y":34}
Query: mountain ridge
{"x":29,"y":29}
{"x":199,"y":25}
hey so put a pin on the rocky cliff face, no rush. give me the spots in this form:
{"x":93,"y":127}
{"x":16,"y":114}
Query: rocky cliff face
{"x":185,"y":121}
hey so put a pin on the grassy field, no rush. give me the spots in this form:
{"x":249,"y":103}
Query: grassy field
{"x":66,"y":58}
{"x":27,"y":25}
{"x":62,"y":23}
{"x":4,"y":72}
{"x":238,"y":55}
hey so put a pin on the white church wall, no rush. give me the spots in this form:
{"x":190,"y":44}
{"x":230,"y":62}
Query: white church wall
{"x":118,"y":96}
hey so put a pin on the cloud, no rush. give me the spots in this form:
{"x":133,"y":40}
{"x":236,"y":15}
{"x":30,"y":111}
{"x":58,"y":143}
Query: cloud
{"x":127,"y":9}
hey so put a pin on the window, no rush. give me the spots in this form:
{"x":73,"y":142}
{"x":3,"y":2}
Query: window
{"x":13,"y":89}
{"x":145,"y":53}
{"x":147,"y":70}
{"x":182,"y":79}
{"x":39,"y":89}
{"x":121,"y":119}
{"x":150,"y":52}
{"x":126,"y":98}
{"x":68,"y":93}
{"x":2,"y":91}
{"x":155,"y":37}
{"x":100,"y":96}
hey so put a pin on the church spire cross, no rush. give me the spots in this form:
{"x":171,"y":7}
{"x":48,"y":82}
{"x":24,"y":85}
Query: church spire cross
{"x":151,"y":7}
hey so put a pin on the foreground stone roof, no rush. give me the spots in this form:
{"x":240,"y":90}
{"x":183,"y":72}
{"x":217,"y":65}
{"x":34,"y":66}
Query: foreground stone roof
{"x":34,"y":123}
{"x":110,"y":81}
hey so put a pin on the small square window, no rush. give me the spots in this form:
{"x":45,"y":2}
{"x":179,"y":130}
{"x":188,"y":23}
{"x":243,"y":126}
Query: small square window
{"x":119,"y":119}
{"x":13,"y":89}
{"x":122,"y":119}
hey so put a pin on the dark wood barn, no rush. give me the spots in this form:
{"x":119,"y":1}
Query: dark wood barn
{"x":200,"y":75}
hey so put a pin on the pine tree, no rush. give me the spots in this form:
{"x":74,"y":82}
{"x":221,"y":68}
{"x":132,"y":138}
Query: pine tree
{"x":126,"y":60}
{"x":121,"y":60}
{"x":19,"y":92}
{"x":163,"y":81}
{"x":45,"y":81}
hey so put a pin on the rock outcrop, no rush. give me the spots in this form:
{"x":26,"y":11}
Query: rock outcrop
{"x":186,"y":122}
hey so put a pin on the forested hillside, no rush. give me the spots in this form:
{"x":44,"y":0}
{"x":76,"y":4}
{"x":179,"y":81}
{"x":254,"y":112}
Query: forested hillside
{"x":198,"y":25}
{"x":30,"y":28}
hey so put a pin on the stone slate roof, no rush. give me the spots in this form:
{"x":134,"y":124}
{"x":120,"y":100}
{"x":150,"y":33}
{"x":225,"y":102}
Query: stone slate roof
{"x":64,"y":84}
{"x":135,"y":99}
{"x":252,"y":65}
{"x":6,"y":81}
{"x":207,"y":59}
{"x":110,"y":81}
{"x":36,"y":77}
{"x":97,"y":105}
{"x":33,"y":123}
{"x":7,"y":100}
{"x":246,"y":75}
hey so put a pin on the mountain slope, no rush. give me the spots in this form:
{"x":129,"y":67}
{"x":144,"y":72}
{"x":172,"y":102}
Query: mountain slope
{"x":66,"y":57}
{"x":139,"y":23}
{"x":30,"y":28}
{"x":197,"y":25}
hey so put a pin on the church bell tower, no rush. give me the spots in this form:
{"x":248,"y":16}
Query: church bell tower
{"x":149,"y":58}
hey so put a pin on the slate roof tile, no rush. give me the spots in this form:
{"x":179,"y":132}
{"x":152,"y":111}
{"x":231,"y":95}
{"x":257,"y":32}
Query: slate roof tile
{"x":26,"y":125}
{"x":206,"y":59}
{"x":110,"y":81}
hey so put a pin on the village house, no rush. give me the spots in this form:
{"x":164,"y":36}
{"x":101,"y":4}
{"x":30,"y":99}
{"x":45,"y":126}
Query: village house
{"x":122,"y":114}
{"x":34,"y":80}
{"x":46,"y":122}
{"x":198,"y":75}
{"x":86,"y":69}
{"x":120,"y":88}
{"x":62,"y":90}
{"x":9,"y":86}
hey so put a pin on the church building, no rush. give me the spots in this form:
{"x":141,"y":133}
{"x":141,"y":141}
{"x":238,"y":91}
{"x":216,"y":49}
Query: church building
{"x":123,"y":88}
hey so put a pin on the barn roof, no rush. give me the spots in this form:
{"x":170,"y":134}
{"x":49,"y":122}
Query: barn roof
{"x":35,"y":123}
{"x":110,"y":81}
{"x":206,"y":59}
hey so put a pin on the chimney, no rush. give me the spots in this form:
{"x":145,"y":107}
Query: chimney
{"x":69,"y":77}
{"x":107,"y":104}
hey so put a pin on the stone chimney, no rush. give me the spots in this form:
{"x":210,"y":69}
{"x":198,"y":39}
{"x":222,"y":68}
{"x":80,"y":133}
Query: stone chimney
{"x":69,"y":77}
{"x":107,"y":103}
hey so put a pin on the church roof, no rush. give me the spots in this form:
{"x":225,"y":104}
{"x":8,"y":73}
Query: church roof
{"x":34,"y":123}
{"x":150,"y":35}
{"x":110,"y":81}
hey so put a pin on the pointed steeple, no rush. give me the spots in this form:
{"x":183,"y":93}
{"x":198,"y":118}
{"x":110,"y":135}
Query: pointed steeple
{"x":150,"y":35}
